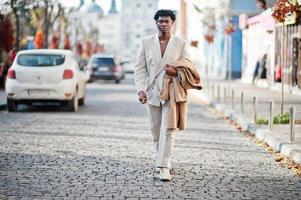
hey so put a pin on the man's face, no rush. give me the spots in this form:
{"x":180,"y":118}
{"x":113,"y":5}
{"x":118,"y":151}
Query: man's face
{"x":164,"y":24}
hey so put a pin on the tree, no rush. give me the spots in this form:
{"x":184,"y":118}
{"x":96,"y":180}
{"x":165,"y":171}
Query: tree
{"x":54,"y":43}
{"x":44,"y":14}
{"x":79,"y":49}
{"x":15,"y":6}
{"x":284,"y":8}
{"x":1,"y":19}
{"x":67,"y":44}
{"x":6,"y":34}
{"x":49,"y":18}
{"x":19,"y":8}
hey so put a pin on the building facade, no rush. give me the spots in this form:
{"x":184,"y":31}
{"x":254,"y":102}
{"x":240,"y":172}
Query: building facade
{"x":258,"y":40}
{"x":136,"y":22}
{"x":90,"y":23}
{"x":109,"y":30}
{"x":221,"y":57}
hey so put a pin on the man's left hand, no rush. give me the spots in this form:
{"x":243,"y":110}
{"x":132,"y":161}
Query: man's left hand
{"x":170,"y":70}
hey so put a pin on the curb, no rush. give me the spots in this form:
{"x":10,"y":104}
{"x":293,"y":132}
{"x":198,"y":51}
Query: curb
{"x":293,"y":151}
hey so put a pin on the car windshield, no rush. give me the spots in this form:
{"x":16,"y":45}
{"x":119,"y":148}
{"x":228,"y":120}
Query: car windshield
{"x":37,"y":60}
{"x":101,"y":62}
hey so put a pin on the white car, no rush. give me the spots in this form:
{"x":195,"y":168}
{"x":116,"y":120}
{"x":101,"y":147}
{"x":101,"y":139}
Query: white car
{"x":46,"y":75}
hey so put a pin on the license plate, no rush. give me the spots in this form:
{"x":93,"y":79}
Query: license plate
{"x":38,"y":92}
{"x":103,"y":69}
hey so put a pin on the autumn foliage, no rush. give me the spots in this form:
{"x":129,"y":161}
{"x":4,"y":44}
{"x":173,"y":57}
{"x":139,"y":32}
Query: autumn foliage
{"x":283,"y":8}
{"x":39,"y":40}
{"x":54,"y":44}
{"x":67,"y":43}
{"x":6,"y":35}
{"x":229,"y":29}
{"x":79,"y":48}
{"x":209,"y":38}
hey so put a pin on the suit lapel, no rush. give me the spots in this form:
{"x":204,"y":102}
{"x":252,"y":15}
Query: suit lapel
{"x":159,"y":61}
{"x":156,"y":50}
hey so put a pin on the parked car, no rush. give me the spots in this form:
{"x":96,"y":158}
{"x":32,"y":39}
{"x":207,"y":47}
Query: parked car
{"x":128,"y":67}
{"x":41,"y":75}
{"x":105,"y":67}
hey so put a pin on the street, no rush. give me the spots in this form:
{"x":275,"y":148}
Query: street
{"x":105,"y":151}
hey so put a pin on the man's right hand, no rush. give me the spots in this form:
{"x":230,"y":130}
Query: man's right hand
{"x":142,"y":97}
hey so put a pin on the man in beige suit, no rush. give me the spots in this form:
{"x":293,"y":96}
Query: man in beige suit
{"x":155,"y":58}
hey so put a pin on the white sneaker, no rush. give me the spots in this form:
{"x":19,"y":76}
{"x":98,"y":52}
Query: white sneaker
{"x":157,"y":170}
{"x":164,"y":174}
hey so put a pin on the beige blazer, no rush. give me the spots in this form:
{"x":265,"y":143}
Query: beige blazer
{"x":149,"y":62}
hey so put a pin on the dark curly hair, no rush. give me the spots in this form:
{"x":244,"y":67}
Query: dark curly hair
{"x":165,"y":13}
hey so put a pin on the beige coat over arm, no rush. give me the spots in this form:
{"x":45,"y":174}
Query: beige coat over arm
{"x":175,"y":90}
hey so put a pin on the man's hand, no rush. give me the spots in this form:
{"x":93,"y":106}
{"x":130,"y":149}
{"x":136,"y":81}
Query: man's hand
{"x":142,"y":97}
{"x":170,"y":70}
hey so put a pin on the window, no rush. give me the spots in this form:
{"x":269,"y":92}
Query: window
{"x":103,"y":62}
{"x":37,"y":60}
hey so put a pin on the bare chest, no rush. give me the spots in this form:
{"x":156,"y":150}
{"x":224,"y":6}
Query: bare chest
{"x":163,"y":48}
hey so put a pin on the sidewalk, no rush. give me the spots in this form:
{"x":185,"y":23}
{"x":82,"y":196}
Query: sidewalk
{"x":279,"y":137}
{"x":2,"y":99}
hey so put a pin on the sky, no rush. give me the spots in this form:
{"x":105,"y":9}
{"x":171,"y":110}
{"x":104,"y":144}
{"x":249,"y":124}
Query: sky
{"x":105,"y":4}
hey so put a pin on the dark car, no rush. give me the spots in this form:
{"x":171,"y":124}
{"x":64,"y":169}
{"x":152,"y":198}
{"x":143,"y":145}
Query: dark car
{"x":105,"y":67}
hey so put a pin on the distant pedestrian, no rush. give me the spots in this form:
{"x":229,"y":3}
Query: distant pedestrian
{"x":158,"y":71}
{"x":260,"y":71}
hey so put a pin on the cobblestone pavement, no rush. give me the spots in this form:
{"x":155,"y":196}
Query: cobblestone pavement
{"x":105,"y":151}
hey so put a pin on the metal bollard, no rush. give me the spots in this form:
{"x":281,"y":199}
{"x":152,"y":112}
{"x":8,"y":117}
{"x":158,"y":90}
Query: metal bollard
{"x":242,"y":103}
{"x":229,"y":90}
{"x":213,"y":92}
{"x":254,"y":109}
{"x":232,"y":98}
{"x":292,"y":124}
{"x":225,"y":94}
{"x":209,"y":88}
{"x":271,"y":115}
{"x":218,"y":93}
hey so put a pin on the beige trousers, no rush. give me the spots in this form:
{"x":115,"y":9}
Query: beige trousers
{"x":164,"y":138}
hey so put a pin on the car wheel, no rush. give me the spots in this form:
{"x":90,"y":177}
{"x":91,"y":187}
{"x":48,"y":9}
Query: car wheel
{"x":73,"y":103}
{"x":117,"y":81}
{"x":81,"y":101}
{"x":12,"y":105}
